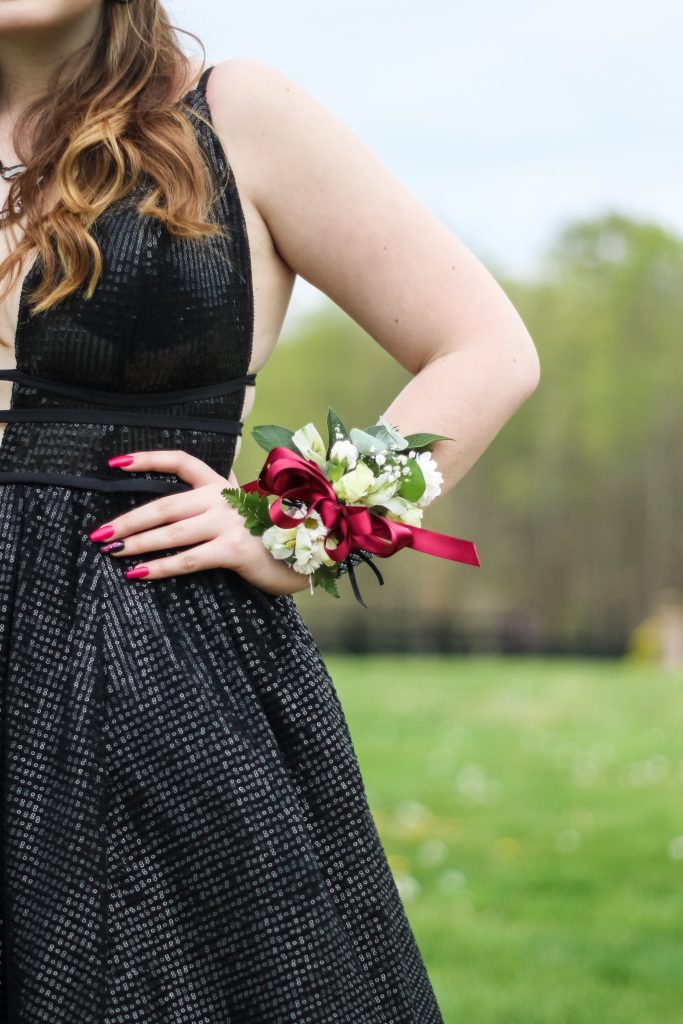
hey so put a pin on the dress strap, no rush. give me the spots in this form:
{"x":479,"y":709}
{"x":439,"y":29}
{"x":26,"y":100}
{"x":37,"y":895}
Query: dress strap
{"x":128,"y":399}
{"x":201,"y":84}
{"x":167,"y":421}
{"x":125,"y":401}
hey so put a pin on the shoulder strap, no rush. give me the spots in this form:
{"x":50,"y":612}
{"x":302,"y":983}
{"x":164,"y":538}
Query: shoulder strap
{"x":201,"y":84}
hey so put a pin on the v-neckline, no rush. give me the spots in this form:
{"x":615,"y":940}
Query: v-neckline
{"x":22,"y":306}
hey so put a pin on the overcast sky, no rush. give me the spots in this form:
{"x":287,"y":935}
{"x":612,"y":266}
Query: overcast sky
{"x":506,"y":118}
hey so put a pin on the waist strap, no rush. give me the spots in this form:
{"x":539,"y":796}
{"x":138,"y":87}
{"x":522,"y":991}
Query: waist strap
{"x":128,"y":398}
{"x":211,"y":424}
{"x":121,"y":416}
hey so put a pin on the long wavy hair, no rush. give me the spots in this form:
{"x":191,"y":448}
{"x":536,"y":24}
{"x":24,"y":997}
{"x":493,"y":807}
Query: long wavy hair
{"x":107,"y":121}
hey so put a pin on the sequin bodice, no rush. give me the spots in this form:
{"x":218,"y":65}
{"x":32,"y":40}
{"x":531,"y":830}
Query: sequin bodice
{"x":157,"y":358}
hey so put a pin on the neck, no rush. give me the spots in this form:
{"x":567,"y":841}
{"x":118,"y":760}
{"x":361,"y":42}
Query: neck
{"x":29,"y":55}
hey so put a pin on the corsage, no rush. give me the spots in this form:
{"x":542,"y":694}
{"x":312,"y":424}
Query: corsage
{"x":322,"y":508}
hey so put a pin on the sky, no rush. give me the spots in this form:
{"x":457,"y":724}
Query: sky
{"x":507,"y":119}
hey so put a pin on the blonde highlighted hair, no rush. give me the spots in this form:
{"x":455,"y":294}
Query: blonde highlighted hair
{"x":108,"y":119}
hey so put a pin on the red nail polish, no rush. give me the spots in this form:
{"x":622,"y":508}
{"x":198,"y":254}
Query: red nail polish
{"x":102,"y":532}
{"x":137,"y":572}
{"x":121,"y":460}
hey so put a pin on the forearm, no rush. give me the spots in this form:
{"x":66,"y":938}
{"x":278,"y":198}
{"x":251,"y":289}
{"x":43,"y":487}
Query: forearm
{"x":468,"y":395}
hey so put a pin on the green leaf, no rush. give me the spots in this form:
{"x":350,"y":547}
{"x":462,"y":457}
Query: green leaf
{"x":412,"y":484}
{"x":334,"y":471}
{"x":325,"y":576}
{"x":334,"y":424}
{"x":269,"y":435}
{"x":233,"y":495}
{"x":252,"y":506}
{"x":416,"y":441}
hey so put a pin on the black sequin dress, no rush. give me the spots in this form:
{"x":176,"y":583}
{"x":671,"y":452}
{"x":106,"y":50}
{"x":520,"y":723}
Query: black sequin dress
{"x":185,"y":833}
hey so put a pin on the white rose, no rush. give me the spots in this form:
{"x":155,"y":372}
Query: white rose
{"x":353,"y":486}
{"x":344,"y":451}
{"x":432,"y":475}
{"x":310,"y":443}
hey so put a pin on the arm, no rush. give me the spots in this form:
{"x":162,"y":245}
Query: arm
{"x":345,"y":223}
{"x":339,"y":218}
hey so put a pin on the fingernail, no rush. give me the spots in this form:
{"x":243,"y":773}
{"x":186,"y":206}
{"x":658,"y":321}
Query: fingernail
{"x":121,"y":460}
{"x":116,"y":545}
{"x":102,"y":532}
{"x":137,"y":572}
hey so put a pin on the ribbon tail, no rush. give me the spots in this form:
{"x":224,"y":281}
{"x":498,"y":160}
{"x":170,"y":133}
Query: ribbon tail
{"x":368,"y":561}
{"x":354,"y":584}
{"x":454,"y":548}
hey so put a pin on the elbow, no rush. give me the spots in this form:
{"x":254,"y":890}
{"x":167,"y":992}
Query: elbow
{"x":527,"y":366}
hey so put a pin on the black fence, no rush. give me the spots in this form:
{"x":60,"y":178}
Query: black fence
{"x":386,"y":632}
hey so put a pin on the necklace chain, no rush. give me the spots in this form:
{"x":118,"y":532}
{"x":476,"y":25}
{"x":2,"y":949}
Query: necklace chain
{"x":11,"y":172}
{"x":8,"y":173}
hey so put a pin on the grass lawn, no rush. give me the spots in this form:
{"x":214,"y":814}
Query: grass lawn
{"x":532,"y":812}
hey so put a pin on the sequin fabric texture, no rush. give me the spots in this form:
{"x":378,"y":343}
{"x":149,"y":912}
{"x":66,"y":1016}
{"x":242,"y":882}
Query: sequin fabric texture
{"x":186,"y":837}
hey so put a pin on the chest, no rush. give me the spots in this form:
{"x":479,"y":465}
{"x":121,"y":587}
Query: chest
{"x":167,"y":312}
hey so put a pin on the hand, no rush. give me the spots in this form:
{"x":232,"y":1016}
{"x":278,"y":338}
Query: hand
{"x":201,"y":517}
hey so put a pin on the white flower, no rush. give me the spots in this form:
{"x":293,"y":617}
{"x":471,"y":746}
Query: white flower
{"x":332,"y":544}
{"x":309,"y":552}
{"x":403,"y":511}
{"x":384,"y":486}
{"x":313,"y":525}
{"x":302,"y":544}
{"x":280,"y":542}
{"x":353,"y":486}
{"x":344,"y":451}
{"x":310,"y":443}
{"x":433,"y":478}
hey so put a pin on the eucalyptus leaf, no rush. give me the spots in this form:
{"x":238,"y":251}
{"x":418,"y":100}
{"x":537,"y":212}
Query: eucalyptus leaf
{"x":395,"y":436}
{"x":365,"y":441}
{"x":270,"y":435}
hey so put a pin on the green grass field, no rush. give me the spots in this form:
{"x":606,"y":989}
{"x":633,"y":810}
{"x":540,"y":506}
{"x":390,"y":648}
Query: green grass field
{"x":532,"y":812}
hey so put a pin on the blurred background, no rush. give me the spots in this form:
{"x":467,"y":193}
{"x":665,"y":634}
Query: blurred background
{"x":518,"y":725}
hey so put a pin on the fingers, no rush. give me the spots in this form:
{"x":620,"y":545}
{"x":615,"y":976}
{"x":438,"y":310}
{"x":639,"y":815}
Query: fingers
{"x":167,"y":509}
{"x":210,"y":555}
{"x":177,"y":534}
{"x":175,"y":520}
{"x":172,"y":460}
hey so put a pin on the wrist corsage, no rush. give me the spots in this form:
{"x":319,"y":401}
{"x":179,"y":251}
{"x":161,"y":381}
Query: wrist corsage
{"x":321,"y":508}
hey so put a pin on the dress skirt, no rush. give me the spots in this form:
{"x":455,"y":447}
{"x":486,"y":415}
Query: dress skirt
{"x":186,"y":837}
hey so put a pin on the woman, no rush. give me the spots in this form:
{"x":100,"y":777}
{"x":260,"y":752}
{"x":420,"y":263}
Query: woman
{"x":185,"y":832}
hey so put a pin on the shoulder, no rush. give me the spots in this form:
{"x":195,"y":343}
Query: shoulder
{"x":245,"y":85}
{"x":260,"y":111}
{"x":250,"y":97}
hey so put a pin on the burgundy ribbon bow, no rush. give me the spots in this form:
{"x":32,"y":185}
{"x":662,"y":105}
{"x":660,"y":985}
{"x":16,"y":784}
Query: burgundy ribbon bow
{"x":290,"y":476}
